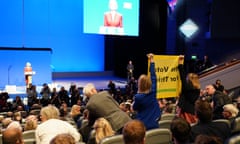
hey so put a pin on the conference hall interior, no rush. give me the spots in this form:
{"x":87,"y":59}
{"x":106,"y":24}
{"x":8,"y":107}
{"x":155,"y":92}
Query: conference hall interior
{"x":64,"y":44}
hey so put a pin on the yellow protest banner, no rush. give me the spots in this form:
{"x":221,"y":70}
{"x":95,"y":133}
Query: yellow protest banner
{"x":168,"y":78}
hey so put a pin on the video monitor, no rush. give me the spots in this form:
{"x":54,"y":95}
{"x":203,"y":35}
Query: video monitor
{"x":111,"y":17}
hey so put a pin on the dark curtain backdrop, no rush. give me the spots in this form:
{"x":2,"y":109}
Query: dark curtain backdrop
{"x":153,"y":18}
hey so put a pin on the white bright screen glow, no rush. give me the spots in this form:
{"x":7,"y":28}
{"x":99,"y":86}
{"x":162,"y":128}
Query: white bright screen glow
{"x":188,"y":28}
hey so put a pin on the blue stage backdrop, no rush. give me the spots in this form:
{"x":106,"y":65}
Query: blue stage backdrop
{"x":15,"y":59}
{"x":55,"y":24}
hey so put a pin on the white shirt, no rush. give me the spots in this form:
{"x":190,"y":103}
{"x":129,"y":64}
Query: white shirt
{"x":52,"y":127}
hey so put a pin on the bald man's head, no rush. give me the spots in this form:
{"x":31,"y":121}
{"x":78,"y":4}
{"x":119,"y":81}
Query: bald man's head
{"x":12,"y":136}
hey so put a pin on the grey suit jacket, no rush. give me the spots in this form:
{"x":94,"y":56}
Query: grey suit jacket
{"x":104,"y":105}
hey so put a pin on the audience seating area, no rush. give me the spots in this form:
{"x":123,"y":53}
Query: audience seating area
{"x":161,"y":135}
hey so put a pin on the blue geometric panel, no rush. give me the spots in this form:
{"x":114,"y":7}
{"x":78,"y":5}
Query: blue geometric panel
{"x":188,"y":28}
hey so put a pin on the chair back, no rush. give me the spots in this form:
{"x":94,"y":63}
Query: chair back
{"x":234,"y":139}
{"x":223,"y":121}
{"x":236,"y":125}
{"x":0,"y":138}
{"x":84,"y":123}
{"x":164,"y":124}
{"x":116,"y":139}
{"x":29,"y":134}
{"x":168,"y":116}
{"x":158,"y":136}
{"x":35,"y":112}
{"x":29,"y":141}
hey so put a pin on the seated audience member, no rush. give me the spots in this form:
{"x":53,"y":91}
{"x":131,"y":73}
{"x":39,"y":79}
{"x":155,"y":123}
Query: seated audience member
{"x":15,"y":124}
{"x":206,"y":139}
{"x":76,"y":113}
{"x":162,"y":103}
{"x":4,"y":105}
{"x":181,"y":130}
{"x":1,"y":118}
{"x":36,"y":106}
{"x":31,"y":123}
{"x":218,"y":85}
{"x":219,"y":99}
{"x":122,"y":106}
{"x":12,"y":136}
{"x":237,"y":101}
{"x":84,"y":119}
{"x":126,"y":107}
{"x":64,"y":112}
{"x":169,"y":108}
{"x":64,"y":138}
{"x":17,"y":116}
{"x":205,"y":63}
{"x":6,"y":122}
{"x":9,"y":123}
{"x":51,"y":126}
{"x":85,"y":128}
{"x":17,"y":102}
{"x":9,"y":114}
{"x":134,"y":132}
{"x":102,"y":104}
{"x":230,"y":112}
{"x":205,"y":124}
{"x":102,"y":129}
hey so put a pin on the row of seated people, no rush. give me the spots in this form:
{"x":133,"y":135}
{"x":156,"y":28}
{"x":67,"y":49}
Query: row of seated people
{"x":221,"y":129}
{"x":49,"y":119}
{"x":135,"y":132}
{"x":203,"y":106}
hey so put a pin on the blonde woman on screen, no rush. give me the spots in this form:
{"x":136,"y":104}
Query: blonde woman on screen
{"x":113,"y":20}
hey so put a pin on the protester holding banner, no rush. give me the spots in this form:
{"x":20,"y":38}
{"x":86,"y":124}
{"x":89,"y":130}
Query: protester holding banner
{"x":145,"y":101}
{"x":189,"y":94}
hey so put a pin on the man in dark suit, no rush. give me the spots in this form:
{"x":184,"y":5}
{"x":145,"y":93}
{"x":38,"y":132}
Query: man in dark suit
{"x":102,"y":104}
{"x":218,"y":85}
{"x":130,"y":68}
{"x":205,"y":124}
{"x":219,"y":99}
